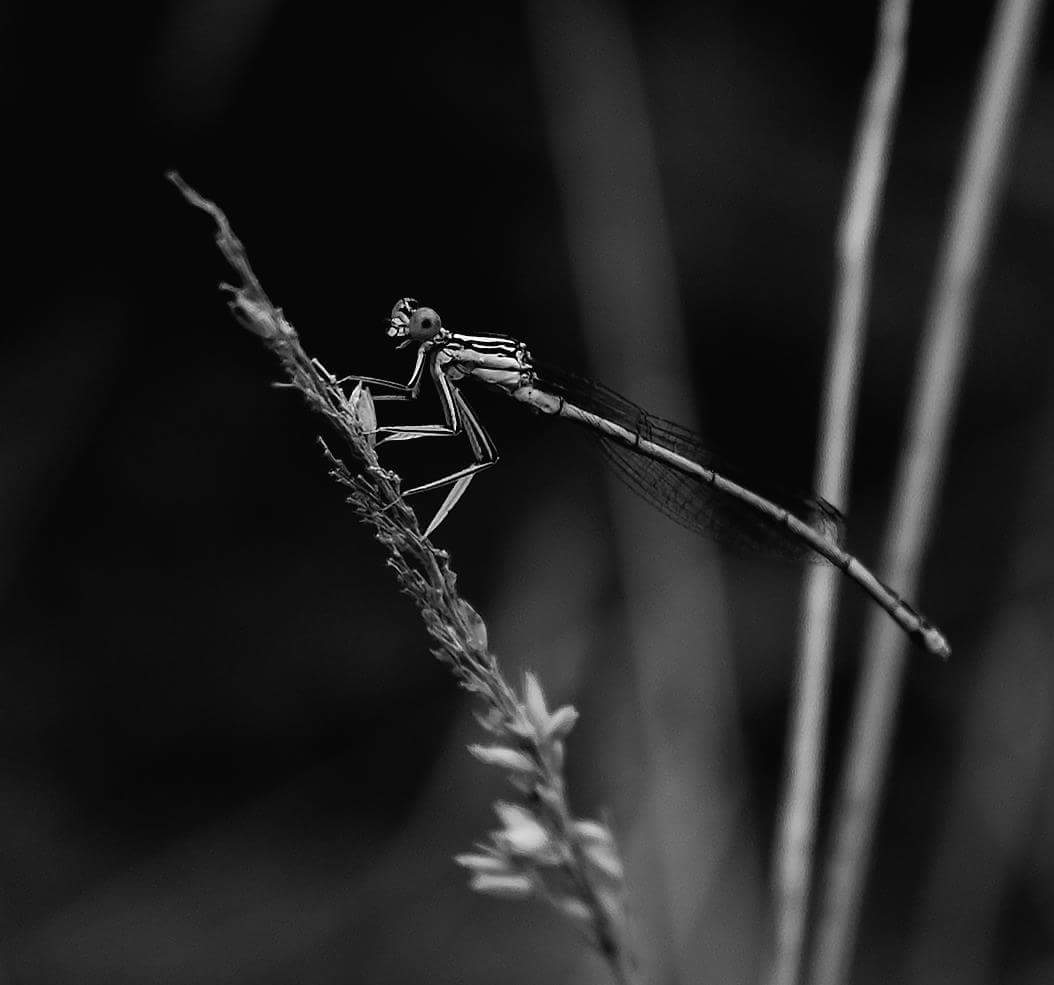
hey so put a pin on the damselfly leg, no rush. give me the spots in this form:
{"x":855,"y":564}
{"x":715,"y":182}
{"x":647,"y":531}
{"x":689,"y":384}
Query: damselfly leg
{"x":460,"y":419}
{"x":405,"y":391}
{"x":317,"y":366}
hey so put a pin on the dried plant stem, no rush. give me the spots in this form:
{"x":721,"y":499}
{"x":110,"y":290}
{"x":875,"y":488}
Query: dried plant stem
{"x":796,"y":834}
{"x":936,"y":388}
{"x":541,"y":851}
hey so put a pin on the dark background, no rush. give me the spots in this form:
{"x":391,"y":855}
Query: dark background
{"x":226,"y":754}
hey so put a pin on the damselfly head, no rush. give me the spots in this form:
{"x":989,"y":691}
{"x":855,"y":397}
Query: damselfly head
{"x":413,"y":323}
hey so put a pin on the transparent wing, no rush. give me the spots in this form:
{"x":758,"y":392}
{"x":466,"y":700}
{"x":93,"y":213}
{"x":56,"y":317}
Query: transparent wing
{"x":685,"y":498}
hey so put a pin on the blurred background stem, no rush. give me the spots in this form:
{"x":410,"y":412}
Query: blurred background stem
{"x":945,"y":345}
{"x":796,"y":831}
{"x":623,"y":266}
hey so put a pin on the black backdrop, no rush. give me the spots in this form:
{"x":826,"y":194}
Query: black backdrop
{"x":226,"y":754}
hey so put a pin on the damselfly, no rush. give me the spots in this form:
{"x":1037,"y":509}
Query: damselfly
{"x":664,"y":462}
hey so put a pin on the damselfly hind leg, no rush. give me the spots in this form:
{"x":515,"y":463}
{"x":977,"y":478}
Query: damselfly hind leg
{"x":461,"y":421}
{"x":460,"y":481}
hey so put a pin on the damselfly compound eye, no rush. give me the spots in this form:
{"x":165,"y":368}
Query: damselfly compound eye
{"x":425,"y":323}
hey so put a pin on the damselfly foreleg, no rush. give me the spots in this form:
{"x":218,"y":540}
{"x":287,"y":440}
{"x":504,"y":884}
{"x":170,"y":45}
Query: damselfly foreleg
{"x":404,"y":391}
{"x":317,"y":366}
{"x":410,"y":390}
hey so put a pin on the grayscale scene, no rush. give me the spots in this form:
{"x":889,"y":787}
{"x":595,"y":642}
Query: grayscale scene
{"x":549,"y":492}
